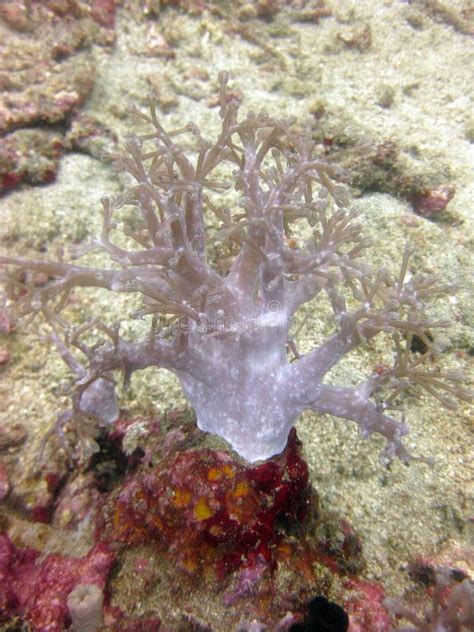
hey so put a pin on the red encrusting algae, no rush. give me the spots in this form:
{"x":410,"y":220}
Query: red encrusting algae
{"x":205,"y":505}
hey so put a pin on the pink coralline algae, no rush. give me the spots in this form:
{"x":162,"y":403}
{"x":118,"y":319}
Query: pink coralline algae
{"x":76,"y":501}
{"x":7,"y":323}
{"x":364,"y":604}
{"x":46,"y":73}
{"x":5,"y":356}
{"x":44,"y":149}
{"x":103,"y":12}
{"x":243,"y":528}
{"x":207,"y":508}
{"x":25,"y":15}
{"x":121,"y":623}
{"x":433,"y":201}
{"x":36,"y":588}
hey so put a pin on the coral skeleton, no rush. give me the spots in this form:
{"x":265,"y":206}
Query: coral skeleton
{"x":225,"y":330}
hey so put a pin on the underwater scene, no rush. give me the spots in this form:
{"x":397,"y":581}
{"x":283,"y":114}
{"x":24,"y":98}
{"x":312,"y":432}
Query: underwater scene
{"x":236,"y":315}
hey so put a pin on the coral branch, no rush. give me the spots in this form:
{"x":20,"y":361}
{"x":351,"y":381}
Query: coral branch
{"x":226,"y":334}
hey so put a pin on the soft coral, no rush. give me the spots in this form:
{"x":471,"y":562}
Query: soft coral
{"x":452,"y":606}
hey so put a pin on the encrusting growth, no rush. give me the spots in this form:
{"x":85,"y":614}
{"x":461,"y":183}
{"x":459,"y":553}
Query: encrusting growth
{"x":226,"y":335}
